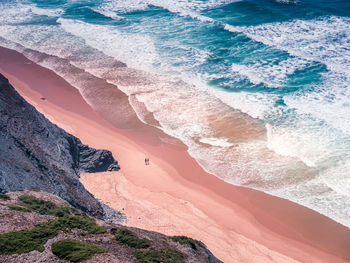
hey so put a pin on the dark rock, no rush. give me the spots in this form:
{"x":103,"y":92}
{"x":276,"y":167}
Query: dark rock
{"x":92,"y":160}
{"x":36,"y":153}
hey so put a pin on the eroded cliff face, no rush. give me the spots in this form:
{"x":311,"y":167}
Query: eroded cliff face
{"x":36,"y":153}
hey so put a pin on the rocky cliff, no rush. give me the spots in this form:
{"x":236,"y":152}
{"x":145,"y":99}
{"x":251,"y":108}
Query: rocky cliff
{"x":34,"y":153}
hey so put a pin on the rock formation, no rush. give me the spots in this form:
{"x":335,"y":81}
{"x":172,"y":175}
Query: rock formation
{"x":36,"y":153}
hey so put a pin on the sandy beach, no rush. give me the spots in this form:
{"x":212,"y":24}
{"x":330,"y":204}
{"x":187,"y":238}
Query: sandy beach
{"x":174,"y":195}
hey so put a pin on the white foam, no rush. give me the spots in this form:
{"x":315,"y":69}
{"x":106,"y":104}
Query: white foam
{"x":47,"y":12}
{"x":287,"y":1}
{"x":22,"y":11}
{"x":270,"y":73}
{"x":40,"y":38}
{"x":106,"y":12}
{"x":324,"y":40}
{"x":172,"y":5}
{"x":337,"y":177}
{"x":123,"y":6}
{"x":330,"y":101}
{"x":233,"y":29}
{"x":218,"y":142}
{"x":302,"y":144}
{"x":256,"y":105}
{"x":185,"y":8}
{"x":137,"y":49}
{"x":14,"y":12}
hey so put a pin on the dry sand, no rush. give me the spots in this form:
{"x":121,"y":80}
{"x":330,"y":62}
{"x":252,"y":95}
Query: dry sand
{"x":173,"y":195}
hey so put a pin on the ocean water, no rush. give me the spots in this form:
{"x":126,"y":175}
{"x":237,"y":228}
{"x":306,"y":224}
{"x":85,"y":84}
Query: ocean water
{"x":259,"y":91}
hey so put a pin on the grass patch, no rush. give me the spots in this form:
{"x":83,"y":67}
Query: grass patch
{"x":126,"y":237}
{"x":4,"y":197}
{"x":45,"y":207}
{"x":187,"y":241}
{"x":167,"y":255}
{"x":82,"y":222}
{"x":19,"y":208}
{"x":24,"y":241}
{"x":74,"y":250}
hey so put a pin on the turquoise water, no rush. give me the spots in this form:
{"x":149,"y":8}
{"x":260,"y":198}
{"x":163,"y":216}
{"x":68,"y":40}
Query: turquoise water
{"x":258,"y":90}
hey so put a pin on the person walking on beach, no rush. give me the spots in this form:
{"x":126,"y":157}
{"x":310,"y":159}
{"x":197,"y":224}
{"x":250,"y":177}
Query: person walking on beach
{"x":146,"y":161}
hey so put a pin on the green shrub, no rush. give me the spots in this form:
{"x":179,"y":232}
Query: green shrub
{"x":125,"y":236}
{"x":40,"y":206}
{"x":24,"y":241}
{"x":167,"y":255}
{"x":35,"y":189}
{"x":74,"y":250}
{"x":19,"y":208}
{"x":77,"y":212}
{"x":82,"y":222}
{"x":187,"y":241}
{"x":4,"y":197}
{"x":44,"y":207}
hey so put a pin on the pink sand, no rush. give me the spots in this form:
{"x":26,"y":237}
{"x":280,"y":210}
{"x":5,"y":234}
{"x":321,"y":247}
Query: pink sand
{"x":174,"y":195}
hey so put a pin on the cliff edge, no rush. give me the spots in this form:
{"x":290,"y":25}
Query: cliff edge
{"x":35,"y":153}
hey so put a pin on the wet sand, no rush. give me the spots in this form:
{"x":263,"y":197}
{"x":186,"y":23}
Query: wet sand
{"x":173,"y":195}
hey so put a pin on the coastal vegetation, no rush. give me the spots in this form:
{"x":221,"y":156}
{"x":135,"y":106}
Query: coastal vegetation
{"x":24,"y":241}
{"x":167,"y":255}
{"x":75,"y":250}
{"x":81,"y":234}
{"x":150,"y":255}
{"x":187,"y":241}
{"x":44,"y":207}
{"x":4,"y":197}
{"x":18,"y":208}
{"x":125,"y":236}
{"x":32,"y":204}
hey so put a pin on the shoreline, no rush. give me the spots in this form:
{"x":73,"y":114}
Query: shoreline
{"x":175,"y":195}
